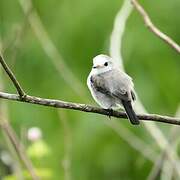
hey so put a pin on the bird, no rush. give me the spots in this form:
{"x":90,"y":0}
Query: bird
{"x":111,"y":87}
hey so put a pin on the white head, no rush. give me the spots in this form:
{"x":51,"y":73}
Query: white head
{"x":102,"y":63}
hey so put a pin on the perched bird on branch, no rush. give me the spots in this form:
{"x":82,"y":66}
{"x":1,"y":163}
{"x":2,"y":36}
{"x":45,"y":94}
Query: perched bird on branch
{"x":111,"y":88}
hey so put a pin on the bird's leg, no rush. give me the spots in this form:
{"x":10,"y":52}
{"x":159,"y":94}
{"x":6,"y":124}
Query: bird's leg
{"x":110,"y":112}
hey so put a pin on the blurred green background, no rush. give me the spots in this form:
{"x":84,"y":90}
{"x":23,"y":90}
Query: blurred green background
{"x":80,"y":29}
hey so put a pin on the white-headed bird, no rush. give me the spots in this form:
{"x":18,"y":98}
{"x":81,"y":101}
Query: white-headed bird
{"x":112,"y":88}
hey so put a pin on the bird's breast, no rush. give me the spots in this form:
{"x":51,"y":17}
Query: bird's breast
{"x":102,"y":99}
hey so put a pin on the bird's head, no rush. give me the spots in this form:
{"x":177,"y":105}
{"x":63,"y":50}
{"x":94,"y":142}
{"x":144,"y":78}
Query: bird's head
{"x":102,"y":63}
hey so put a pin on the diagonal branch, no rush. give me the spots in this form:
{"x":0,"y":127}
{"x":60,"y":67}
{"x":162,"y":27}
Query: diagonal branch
{"x":12,"y":77}
{"x":86,"y":108}
{"x":117,"y":32}
{"x":14,"y":144}
{"x":153,"y":28}
{"x":173,"y":140}
{"x":19,"y":148}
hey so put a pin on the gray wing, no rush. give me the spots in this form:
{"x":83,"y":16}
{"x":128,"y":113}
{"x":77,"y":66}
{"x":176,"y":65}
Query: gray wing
{"x":115,"y":84}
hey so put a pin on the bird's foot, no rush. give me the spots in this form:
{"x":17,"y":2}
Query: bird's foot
{"x":110,"y":112}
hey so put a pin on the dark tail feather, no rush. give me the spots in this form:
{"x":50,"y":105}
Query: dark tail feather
{"x":130,"y":112}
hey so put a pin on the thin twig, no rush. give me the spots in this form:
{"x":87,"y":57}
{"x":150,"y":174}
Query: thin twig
{"x":12,"y":77}
{"x":157,"y":167}
{"x":11,"y":135}
{"x":154,"y":130}
{"x":37,"y":28}
{"x":17,"y":168}
{"x":117,"y":33}
{"x":172,"y":139}
{"x":87,"y":108}
{"x":116,"y":52}
{"x":153,"y":28}
{"x":115,"y":49}
{"x":19,"y":148}
{"x":167,"y":171}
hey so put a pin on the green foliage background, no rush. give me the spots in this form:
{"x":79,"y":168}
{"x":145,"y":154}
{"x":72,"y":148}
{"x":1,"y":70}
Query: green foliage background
{"x":80,"y":29}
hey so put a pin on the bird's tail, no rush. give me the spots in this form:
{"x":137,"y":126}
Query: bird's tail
{"x":130,"y":112}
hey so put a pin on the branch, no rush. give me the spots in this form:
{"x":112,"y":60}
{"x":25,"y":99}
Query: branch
{"x":117,"y":33}
{"x":153,"y":28}
{"x":115,"y":51}
{"x":12,"y":138}
{"x":12,"y":77}
{"x":86,"y":108}
{"x":155,"y":131}
{"x":19,"y":149}
{"x":157,"y":168}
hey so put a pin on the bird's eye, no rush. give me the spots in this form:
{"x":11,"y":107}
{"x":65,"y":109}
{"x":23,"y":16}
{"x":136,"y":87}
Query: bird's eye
{"x":106,"y":64}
